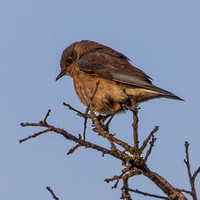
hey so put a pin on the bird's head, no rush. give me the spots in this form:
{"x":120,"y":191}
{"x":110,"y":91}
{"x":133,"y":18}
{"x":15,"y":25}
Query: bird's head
{"x":72,"y":54}
{"x":69,"y":57}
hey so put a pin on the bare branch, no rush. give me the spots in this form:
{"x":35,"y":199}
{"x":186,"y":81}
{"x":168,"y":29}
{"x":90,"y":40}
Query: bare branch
{"x":147,"y":194}
{"x":97,"y":85}
{"x":196,"y":173}
{"x":186,"y":191}
{"x":136,"y":164}
{"x":117,"y":178}
{"x":191,"y":178}
{"x":71,"y":137}
{"x":152,"y":142}
{"x":47,"y":115}
{"x":135,"y":125}
{"x":75,"y":110}
{"x":106,"y":134}
{"x":144,"y":145}
{"x":125,"y":192}
{"x":126,"y":174}
{"x":84,"y":115}
{"x":52,"y":192}
{"x":73,"y":149}
{"x":88,"y":108}
{"x":33,"y":136}
{"x":166,"y":187}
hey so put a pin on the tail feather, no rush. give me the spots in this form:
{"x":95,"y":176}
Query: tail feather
{"x":163,"y":92}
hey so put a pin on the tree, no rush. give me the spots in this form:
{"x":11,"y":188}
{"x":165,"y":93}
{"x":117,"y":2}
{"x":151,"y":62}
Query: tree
{"x":131,"y":156}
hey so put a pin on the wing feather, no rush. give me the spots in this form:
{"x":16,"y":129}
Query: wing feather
{"x":107,"y":63}
{"x":113,"y":68}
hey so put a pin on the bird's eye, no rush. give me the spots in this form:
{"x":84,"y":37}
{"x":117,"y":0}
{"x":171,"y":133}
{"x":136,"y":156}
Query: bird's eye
{"x":69,"y":60}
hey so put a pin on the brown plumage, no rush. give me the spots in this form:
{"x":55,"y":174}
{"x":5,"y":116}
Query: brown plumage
{"x":88,"y":62}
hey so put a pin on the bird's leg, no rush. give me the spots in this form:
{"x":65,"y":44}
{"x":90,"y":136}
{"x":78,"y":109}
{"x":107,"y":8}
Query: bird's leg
{"x":108,"y":122}
{"x":102,"y":118}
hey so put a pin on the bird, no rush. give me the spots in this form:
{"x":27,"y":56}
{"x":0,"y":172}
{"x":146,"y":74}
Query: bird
{"x":120,"y":83}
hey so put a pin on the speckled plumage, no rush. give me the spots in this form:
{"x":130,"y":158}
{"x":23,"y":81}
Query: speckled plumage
{"x":88,"y":62}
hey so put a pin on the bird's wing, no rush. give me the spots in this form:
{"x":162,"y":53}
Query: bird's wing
{"x":120,"y":70}
{"x":113,"y":68}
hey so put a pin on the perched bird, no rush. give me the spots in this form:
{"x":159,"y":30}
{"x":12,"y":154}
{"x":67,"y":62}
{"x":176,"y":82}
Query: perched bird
{"x":88,"y":62}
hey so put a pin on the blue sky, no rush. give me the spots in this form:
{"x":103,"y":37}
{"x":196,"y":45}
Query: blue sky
{"x":160,"y":37}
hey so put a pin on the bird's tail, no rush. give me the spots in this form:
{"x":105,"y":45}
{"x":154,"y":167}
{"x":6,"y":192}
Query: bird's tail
{"x":163,"y":93}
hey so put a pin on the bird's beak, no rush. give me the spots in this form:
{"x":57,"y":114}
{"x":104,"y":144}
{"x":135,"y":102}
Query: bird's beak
{"x":62,"y":73}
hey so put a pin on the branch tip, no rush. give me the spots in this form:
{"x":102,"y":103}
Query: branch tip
{"x":22,"y":124}
{"x":73,"y":149}
{"x":47,"y":115}
{"x":52,"y":192}
{"x":147,"y":194}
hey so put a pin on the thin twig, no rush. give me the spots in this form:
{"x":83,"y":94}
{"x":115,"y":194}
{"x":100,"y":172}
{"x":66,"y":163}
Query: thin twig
{"x":165,"y":186}
{"x":144,"y":145}
{"x":152,"y":142}
{"x":73,"y":149}
{"x":74,"y":109}
{"x":106,"y":134}
{"x":121,"y":155}
{"x":47,"y":115}
{"x":135,"y":125}
{"x":117,"y":178}
{"x":196,"y":173}
{"x":91,"y":100}
{"x":186,"y":191}
{"x":52,"y":192}
{"x":71,"y":137}
{"x":84,"y":115}
{"x":125,"y":192}
{"x":147,"y":194}
{"x":88,"y":108}
{"x":191,"y":178}
{"x":85,"y":127}
{"x":126,"y":174}
{"x":33,"y":136}
{"x":114,"y":177}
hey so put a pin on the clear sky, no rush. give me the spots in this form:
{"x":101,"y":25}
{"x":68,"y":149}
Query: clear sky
{"x":160,"y":37}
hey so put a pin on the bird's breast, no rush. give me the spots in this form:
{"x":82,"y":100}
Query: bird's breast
{"x":109,"y":95}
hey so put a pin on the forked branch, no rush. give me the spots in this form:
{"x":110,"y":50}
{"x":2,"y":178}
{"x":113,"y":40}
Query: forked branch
{"x":129,"y":154}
